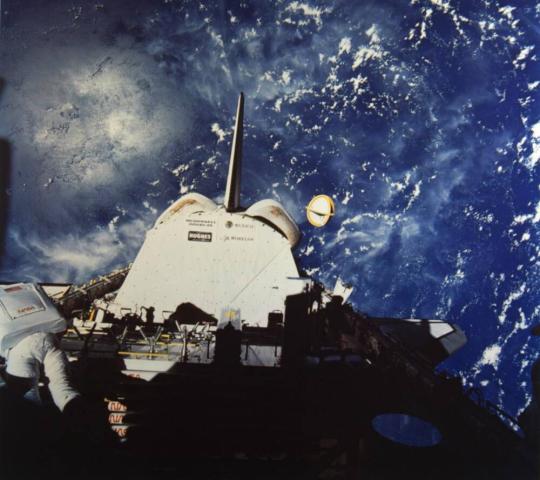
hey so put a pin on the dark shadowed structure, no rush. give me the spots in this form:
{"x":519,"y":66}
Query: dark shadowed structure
{"x":5,"y":175}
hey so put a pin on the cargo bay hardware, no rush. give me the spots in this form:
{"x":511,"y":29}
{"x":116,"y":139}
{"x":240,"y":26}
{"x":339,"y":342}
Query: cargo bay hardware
{"x":213,"y":342}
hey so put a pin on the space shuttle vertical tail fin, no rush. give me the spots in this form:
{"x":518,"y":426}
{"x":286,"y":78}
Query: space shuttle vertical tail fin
{"x":232,"y":192}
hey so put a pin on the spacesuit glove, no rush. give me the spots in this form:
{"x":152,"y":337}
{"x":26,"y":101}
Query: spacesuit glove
{"x":89,"y":421}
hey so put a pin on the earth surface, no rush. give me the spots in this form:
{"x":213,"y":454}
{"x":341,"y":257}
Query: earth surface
{"x":419,"y":118}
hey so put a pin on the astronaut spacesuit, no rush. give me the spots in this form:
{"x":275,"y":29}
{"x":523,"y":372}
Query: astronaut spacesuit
{"x":29,"y":323}
{"x":24,"y":363}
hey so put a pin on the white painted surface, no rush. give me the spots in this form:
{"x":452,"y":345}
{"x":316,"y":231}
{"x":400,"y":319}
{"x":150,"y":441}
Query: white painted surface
{"x":274,"y":213}
{"x":261,"y":355}
{"x":56,"y":291}
{"x":212,"y":259}
{"x":26,"y":309}
{"x":343,"y":290}
{"x":148,"y":365}
{"x":437,"y":328}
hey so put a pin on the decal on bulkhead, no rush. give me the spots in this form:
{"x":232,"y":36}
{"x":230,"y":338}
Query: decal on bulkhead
{"x":199,"y":236}
{"x":197,"y":222}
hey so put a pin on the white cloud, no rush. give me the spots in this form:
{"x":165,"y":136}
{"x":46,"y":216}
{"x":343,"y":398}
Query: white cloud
{"x":490,"y":356}
{"x":507,"y":12}
{"x":373,"y":34}
{"x":75,"y":257}
{"x":520,"y":60}
{"x":344,"y":46}
{"x":364,"y":54}
{"x":534,"y":157}
{"x":220,"y":133}
{"x":285,"y":78}
{"x":515,"y":295}
{"x":313,"y":13}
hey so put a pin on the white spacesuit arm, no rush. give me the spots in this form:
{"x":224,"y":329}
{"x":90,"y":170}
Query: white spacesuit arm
{"x":57,"y":371}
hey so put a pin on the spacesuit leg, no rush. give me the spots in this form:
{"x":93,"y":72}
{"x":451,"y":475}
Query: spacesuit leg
{"x":57,"y":371}
{"x":22,"y":372}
